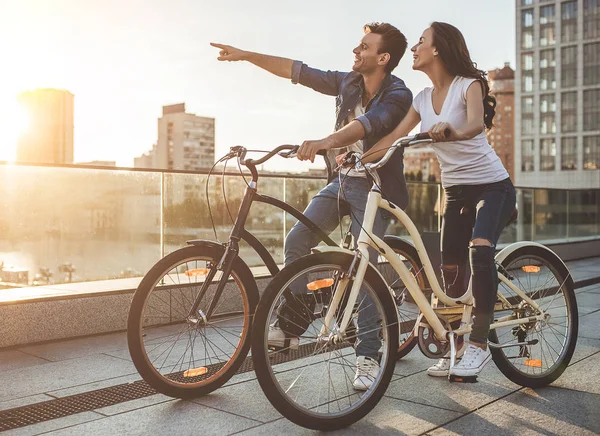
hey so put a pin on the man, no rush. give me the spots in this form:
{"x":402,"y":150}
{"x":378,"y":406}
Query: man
{"x":370,"y":103}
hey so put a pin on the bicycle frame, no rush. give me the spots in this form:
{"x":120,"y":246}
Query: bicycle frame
{"x":238,"y":232}
{"x":367,"y":238}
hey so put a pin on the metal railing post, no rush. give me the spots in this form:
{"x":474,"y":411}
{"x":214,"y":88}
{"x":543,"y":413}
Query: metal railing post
{"x":162,"y":215}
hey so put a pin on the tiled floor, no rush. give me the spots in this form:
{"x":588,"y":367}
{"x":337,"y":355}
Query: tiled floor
{"x":414,"y":403}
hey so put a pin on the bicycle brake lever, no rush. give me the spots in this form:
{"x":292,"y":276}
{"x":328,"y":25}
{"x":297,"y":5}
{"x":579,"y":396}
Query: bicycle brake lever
{"x":289,"y":153}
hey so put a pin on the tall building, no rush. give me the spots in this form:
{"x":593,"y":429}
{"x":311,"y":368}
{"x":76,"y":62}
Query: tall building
{"x":557,"y":110}
{"x":185,"y":141}
{"x":502,"y":136}
{"x":49,"y":137}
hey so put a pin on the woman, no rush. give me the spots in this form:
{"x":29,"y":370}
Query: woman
{"x":480,"y":197}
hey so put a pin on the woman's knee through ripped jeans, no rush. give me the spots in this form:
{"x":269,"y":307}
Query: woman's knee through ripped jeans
{"x":474,"y":217}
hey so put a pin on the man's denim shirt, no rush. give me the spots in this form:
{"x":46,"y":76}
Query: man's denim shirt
{"x":383,"y":113}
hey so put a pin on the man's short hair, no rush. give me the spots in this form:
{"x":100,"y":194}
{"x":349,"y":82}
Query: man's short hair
{"x":392,"y":41}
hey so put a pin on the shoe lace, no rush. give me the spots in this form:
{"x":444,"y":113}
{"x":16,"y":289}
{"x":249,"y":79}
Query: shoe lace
{"x":365,"y":368}
{"x":471,"y":354}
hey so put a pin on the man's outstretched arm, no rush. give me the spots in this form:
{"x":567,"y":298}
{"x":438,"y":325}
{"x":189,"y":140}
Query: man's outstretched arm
{"x":281,"y":67}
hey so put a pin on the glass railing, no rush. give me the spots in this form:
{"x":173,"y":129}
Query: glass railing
{"x":61,"y":224}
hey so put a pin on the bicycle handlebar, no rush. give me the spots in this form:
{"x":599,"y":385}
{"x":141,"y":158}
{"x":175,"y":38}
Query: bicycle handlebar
{"x":405,"y":142}
{"x":278,"y":150}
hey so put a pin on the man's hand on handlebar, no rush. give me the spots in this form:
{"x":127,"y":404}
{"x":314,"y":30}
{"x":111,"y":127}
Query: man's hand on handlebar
{"x":309,"y":149}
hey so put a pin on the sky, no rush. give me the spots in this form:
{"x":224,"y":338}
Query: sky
{"x":124,"y":59}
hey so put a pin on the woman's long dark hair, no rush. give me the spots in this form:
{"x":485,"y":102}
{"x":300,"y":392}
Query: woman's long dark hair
{"x":453,"y":51}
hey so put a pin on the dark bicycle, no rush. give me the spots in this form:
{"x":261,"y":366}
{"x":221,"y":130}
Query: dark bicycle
{"x":189,"y":323}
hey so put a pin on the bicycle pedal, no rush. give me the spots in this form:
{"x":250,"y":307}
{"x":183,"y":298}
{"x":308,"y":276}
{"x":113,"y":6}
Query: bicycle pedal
{"x":462,"y":379}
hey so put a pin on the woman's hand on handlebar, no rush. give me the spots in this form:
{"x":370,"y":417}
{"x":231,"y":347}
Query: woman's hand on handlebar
{"x":441,"y":132}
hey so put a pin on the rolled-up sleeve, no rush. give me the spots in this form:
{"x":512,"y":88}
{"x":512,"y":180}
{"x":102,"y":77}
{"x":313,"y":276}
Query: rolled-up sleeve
{"x":296,"y":67}
{"x":382,"y":118}
{"x":325,"y":82}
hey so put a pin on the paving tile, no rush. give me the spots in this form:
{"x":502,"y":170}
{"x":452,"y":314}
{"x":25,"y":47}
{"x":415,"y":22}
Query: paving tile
{"x":80,"y":347}
{"x":588,"y":302}
{"x":413,"y":362}
{"x":583,"y":375}
{"x":55,"y":424}
{"x":56,"y":375}
{"x":589,"y":325}
{"x":584,"y":348}
{"x":95,"y":385}
{"x":245,"y":399}
{"x":128,"y":406}
{"x":15,"y":359}
{"x":460,"y":397}
{"x":174,"y":417}
{"x":549,"y":410}
{"x":390,"y":416}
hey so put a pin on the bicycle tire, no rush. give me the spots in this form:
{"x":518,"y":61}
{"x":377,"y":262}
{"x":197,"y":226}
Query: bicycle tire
{"x":262,"y":358}
{"x":146,"y":323}
{"x":523,"y":266}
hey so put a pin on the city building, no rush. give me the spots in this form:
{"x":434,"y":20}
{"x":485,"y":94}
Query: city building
{"x":557,"y":94}
{"x":185,"y":141}
{"x":146,"y":160}
{"x":501,"y":136}
{"x":49,"y":137}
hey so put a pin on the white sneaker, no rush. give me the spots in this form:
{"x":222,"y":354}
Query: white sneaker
{"x":366,"y":373}
{"x":278,"y":340}
{"x":472,"y":362}
{"x":440,"y":369}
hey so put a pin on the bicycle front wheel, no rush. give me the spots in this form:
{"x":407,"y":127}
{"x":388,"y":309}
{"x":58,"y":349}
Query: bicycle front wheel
{"x":548,"y":343}
{"x":312,"y":382}
{"x":182,"y":351}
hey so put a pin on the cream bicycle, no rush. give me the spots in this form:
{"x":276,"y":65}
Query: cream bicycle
{"x":532,"y":338}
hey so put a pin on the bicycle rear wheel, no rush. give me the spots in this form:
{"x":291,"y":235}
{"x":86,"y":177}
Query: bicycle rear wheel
{"x":313,"y":384}
{"x":544,"y":279}
{"x":186,"y":354}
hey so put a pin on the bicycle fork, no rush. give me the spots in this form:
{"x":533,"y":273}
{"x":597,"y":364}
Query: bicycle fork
{"x":354,"y":274}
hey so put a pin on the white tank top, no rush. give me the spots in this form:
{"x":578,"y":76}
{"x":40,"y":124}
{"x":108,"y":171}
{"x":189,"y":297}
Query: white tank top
{"x":469,"y":162}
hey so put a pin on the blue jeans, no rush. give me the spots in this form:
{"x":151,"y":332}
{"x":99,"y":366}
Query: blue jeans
{"x":475,"y":212}
{"x":323,"y":211}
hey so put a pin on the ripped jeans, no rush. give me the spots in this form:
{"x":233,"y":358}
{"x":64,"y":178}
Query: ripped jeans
{"x":475,"y":212}
{"x":323,"y":211}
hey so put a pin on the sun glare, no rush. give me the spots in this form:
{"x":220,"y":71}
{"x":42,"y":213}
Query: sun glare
{"x":15,"y":122}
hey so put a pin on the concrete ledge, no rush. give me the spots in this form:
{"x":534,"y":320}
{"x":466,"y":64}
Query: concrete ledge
{"x":67,"y":314}
{"x":574,"y":250}
{"x":31,"y":321}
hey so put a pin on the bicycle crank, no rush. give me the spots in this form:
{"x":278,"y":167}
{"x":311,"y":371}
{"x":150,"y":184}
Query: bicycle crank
{"x":428,"y":343}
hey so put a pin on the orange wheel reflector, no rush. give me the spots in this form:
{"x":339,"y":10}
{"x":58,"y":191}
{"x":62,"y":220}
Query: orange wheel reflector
{"x":195,"y":372}
{"x":531,"y":269}
{"x":319,"y":284}
{"x":198,"y":272}
{"x":534,"y":363}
